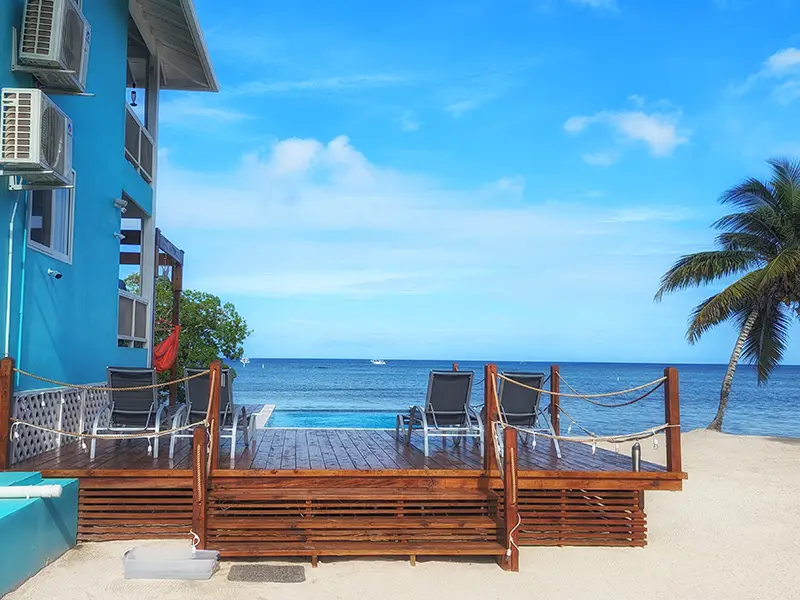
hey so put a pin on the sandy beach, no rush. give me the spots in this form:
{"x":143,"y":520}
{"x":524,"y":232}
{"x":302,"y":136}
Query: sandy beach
{"x":734,"y":532}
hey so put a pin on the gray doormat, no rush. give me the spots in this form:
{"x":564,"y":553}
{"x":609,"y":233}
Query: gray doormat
{"x":267,"y":573}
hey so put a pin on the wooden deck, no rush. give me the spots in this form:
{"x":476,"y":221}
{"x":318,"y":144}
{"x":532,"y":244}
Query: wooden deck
{"x":361,"y":492}
{"x":329,"y":450}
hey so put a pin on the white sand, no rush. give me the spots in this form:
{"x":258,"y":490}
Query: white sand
{"x":734,"y":532}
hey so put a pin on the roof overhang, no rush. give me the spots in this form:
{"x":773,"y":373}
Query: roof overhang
{"x":171,"y":31}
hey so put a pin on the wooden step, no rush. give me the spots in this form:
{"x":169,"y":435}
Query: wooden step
{"x":361,"y":549}
{"x":370,"y":493}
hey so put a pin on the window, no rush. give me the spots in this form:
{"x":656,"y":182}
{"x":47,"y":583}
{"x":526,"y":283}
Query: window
{"x":50,"y":222}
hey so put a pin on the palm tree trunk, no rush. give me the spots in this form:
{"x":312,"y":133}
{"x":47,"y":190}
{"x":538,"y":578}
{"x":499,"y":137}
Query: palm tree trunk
{"x":727,"y":381}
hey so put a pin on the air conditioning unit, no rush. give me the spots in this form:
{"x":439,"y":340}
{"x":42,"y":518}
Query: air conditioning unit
{"x":35,"y":138}
{"x":55,"y":43}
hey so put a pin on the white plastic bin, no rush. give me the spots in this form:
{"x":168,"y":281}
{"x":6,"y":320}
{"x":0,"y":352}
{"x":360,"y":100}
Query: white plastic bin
{"x":169,"y":562}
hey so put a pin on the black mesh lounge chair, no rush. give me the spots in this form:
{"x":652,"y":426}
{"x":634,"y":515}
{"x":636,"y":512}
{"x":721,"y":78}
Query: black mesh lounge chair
{"x":134,"y":411}
{"x":447,"y":412}
{"x":196,"y":408}
{"x":522,"y":407}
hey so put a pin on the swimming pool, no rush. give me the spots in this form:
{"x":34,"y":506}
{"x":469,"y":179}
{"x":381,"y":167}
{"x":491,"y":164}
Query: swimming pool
{"x":327,"y":419}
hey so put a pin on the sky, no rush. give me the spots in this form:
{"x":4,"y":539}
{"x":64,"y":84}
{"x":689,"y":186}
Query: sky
{"x":472,"y":179}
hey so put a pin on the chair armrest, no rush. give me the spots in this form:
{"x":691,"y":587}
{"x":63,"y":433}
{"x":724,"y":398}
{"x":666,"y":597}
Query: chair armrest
{"x":417,"y":413}
{"x":177,"y":418}
{"x":96,"y":421}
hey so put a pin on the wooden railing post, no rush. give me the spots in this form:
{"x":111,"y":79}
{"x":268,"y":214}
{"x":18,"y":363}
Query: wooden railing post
{"x":6,"y":398}
{"x":490,"y":413}
{"x":672,"y":414}
{"x":511,"y":509}
{"x":213,"y":425}
{"x":199,"y":484}
{"x":555,"y":399}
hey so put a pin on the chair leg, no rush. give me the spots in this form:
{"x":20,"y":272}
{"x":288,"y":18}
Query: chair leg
{"x":425,"y":442}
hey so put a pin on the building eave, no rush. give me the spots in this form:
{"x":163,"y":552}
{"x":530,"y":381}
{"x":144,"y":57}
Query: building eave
{"x":172,"y":31}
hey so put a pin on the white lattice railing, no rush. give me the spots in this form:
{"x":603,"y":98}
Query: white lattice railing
{"x":65,"y":409}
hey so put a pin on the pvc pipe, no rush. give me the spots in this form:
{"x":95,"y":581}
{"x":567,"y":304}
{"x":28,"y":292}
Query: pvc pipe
{"x":30,"y":491}
{"x":10,"y":269}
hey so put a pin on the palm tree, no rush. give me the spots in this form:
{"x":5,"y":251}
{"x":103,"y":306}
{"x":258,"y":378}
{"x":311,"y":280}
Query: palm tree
{"x":760,"y":245}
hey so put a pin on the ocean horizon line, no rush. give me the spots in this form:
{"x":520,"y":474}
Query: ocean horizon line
{"x":528,"y":361}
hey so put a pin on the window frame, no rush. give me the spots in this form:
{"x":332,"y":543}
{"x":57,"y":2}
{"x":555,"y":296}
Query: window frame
{"x":34,"y":245}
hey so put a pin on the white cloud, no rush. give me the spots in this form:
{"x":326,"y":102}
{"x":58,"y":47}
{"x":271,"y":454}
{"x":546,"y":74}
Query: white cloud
{"x":198,"y":112}
{"x":408,"y":122}
{"x":321,"y":84}
{"x":780,"y":72}
{"x":599,"y":4}
{"x":599,"y":159}
{"x":458,"y":109}
{"x":310,"y":218}
{"x":660,"y":132}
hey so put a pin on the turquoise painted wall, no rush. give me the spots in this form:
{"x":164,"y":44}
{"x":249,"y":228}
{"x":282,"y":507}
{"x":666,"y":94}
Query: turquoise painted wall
{"x":69,"y":326}
{"x":35,"y":532}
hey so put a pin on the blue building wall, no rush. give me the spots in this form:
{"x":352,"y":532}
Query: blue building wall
{"x":69,"y":326}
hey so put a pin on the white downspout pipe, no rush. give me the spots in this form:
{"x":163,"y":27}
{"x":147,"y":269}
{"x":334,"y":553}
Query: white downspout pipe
{"x":8,"y":282}
{"x":30,"y":491}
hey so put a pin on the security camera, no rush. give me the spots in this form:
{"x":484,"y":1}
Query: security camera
{"x":54,"y":274}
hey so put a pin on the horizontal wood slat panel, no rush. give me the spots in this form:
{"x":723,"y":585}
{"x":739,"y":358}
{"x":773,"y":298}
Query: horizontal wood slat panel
{"x":129,"y":509}
{"x":582,"y":518}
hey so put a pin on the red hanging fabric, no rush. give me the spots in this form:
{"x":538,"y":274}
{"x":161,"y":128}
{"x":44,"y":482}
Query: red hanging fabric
{"x":165,"y":353}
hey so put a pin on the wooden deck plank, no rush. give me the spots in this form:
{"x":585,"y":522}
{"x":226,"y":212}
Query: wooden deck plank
{"x":302,"y":455}
{"x":321,"y":450}
{"x":354,"y":456}
{"x":273,"y":460}
{"x":315,"y":459}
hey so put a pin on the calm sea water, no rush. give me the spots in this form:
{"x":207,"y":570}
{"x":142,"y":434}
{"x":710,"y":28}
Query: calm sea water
{"x":356,"y":393}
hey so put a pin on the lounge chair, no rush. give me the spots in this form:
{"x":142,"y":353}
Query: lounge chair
{"x":522,"y":407}
{"x":447,"y":412}
{"x":196,"y":408}
{"x":135,"y":411}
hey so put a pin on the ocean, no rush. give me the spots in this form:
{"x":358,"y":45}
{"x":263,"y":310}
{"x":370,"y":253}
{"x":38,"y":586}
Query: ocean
{"x":356,"y":393}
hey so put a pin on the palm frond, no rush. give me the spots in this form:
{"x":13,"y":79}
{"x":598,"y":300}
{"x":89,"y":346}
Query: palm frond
{"x":750,"y":195}
{"x":763,"y":222}
{"x":780,"y":271}
{"x":748,"y":241}
{"x":786,"y":186}
{"x":727,"y":304}
{"x":700,"y":268}
{"x":768,"y":339}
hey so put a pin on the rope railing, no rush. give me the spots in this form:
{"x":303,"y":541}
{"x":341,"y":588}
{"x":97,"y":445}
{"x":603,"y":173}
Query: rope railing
{"x":148,"y":435}
{"x":106,"y":436}
{"x":590,"y":437}
{"x":583,"y":396}
{"x":588,"y":398}
{"x":96,"y":388}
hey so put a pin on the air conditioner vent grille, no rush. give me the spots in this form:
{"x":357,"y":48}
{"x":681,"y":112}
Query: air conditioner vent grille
{"x":17,"y":117}
{"x":38,"y":26}
{"x":72,"y":46}
{"x":53,"y":127}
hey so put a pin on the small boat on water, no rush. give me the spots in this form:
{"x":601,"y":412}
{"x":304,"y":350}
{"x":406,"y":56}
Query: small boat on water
{"x":244,"y":360}
{"x":378,"y":361}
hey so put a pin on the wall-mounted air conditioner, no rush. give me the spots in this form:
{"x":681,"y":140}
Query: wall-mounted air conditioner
{"x":55,"y":43}
{"x":35,"y":138}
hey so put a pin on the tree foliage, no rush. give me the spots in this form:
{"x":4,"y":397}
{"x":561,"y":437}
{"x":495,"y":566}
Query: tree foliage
{"x":759,"y":244}
{"x":210,"y":329}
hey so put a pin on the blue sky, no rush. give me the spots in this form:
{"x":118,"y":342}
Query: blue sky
{"x":472,"y":179}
